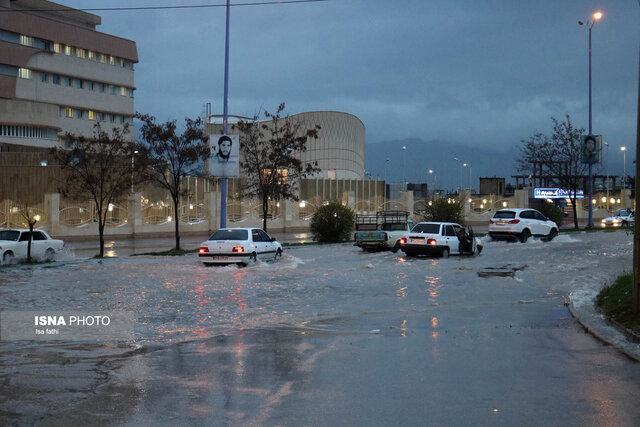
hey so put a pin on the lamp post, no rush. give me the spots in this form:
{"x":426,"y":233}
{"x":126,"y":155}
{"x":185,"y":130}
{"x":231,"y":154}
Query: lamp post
{"x":132,"y":154}
{"x":606,"y":171}
{"x":386,"y":164}
{"x":459,"y":168}
{"x":624,"y":167}
{"x":470,"y":169}
{"x":225,"y":117}
{"x":595,"y":17}
{"x":404,"y":148}
{"x":430,"y":171}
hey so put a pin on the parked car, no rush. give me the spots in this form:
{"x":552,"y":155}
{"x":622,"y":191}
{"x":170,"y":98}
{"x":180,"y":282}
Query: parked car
{"x":239,"y":246}
{"x":520,"y":224}
{"x":440,"y":239}
{"x":622,"y":218}
{"x":14,"y":242}
{"x":382,"y":230}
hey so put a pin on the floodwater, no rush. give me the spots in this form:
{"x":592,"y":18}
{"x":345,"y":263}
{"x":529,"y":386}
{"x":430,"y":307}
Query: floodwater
{"x":327,"y":335}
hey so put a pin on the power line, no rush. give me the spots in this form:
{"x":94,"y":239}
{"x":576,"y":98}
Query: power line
{"x":195,"y":6}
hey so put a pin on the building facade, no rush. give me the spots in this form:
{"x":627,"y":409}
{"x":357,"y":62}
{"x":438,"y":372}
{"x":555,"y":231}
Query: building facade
{"x":339,"y":149}
{"x":58,"y":74}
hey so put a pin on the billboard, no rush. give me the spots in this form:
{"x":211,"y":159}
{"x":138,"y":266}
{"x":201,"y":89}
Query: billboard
{"x":555,"y":193}
{"x":225,"y":156}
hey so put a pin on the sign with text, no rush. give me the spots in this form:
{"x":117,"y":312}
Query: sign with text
{"x":555,"y":193}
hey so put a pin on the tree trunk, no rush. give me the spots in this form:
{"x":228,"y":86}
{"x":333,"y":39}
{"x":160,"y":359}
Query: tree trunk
{"x":176,"y":219}
{"x":101,"y":234}
{"x":575,"y":211}
{"x":265,"y":212}
{"x":29,"y":243}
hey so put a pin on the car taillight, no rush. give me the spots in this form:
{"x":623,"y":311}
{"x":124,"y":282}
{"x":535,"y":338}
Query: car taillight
{"x":238,"y":249}
{"x":514,"y":221}
{"x":403,"y":241}
{"x":203,"y":250}
{"x":431,"y":241}
{"x":491,"y":221}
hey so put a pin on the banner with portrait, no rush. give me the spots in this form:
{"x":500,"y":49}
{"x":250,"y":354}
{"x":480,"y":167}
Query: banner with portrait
{"x":225,"y":156}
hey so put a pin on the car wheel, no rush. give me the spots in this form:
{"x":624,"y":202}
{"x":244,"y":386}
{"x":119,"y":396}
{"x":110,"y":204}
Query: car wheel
{"x":7,"y":258}
{"x":253,"y":258}
{"x":445,"y":253}
{"x":49,"y":255}
{"x":396,"y":247}
{"x":524,"y":236}
{"x":552,"y":234}
{"x":625,"y":224}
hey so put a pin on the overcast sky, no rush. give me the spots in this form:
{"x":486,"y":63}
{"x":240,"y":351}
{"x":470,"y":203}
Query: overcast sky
{"x":478,"y":72}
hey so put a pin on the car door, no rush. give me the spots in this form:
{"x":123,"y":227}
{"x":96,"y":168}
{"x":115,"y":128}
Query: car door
{"x":258,"y":243}
{"x":269,"y":246}
{"x":544,"y":224}
{"x":38,"y":244}
{"x":451,"y":238}
{"x":21,"y":246}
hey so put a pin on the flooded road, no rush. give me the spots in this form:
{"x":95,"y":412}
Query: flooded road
{"x":328,"y":335}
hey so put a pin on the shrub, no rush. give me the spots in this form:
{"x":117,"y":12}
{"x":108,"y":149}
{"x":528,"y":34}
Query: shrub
{"x":553,"y":212}
{"x":445,"y":210}
{"x":332,"y":223}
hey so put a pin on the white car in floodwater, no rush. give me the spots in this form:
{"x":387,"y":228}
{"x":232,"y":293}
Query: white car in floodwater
{"x":239,"y":246}
{"x":14,"y":242}
{"x":440,"y":239}
{"x":622,"y":218}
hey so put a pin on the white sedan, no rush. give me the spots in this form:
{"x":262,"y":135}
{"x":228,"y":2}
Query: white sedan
{"x":14,"y":242}
{"x":441,"y":239}
{"x":622,"y":218}
{"x":239,"y":246}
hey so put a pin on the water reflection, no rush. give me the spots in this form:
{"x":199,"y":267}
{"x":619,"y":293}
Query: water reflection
{"x":433,"y":288}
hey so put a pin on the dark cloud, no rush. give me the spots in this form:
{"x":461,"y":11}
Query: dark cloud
{"x":484,"y":72}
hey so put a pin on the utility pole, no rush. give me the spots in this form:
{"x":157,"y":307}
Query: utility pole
{"x":635,"y":288}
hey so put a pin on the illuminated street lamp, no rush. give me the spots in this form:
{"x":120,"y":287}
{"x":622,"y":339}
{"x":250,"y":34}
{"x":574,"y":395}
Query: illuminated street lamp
{"x":595,"y":17}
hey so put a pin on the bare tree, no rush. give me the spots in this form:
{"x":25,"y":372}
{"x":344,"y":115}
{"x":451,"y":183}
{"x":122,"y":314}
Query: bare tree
{"x":270,"y":159}
{"x":170,"y":157}
{"x":560,"y":155}
{"x":99,"y":168}
{"x":31,"y":217}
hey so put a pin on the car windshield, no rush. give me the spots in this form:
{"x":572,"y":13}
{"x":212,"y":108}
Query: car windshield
{"x":504,"y":215}
{"x":623,"y":213}
{"x":426,"y":228}
{"x":229,"y":235}
{"x":9,"y":235}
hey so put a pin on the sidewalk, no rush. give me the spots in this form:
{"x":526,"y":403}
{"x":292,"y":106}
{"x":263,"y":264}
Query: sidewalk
{"x":583,"y":310}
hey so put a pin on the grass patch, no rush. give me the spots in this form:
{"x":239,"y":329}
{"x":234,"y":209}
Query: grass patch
{"x":170,"y":252}
{"x":615,"y":302}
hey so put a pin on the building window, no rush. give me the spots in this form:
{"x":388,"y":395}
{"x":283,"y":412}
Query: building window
{"x":92,"y":55}
{"x":69,"y":50}
{"x":112,"y":118}
{"x":122,"y":119}
{"x":43,"y":77}
{"x":112,"y":89}
{"x":24,"y":73}
{"x":26,"y":40}
{"x":112,"y":60}
{"x":68,"y":81}
{"x":102,"y":58}
{"x":103,"y":117}
{"x":79,"y":83}
{"x":79,"y":114}
{"x":55,"y":79}
{"x":68,"y":112}
{"x":90,"y":85}
{"x":81,"y":53}
{"x":58,"y":47}
{"x":101,"y":87}
{"x":91,"y":115}
{"x":123,"y":91}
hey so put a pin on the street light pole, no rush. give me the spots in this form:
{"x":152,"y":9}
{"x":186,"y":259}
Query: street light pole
{"x":404,"y":148}
{"x":606,"y":171}
{"x":624,"y":167}
{"x":596,"y":16}
{"x":132,"y":154}
{"x":225,"y":116}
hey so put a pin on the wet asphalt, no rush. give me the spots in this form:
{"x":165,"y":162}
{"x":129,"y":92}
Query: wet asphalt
{"x":329,"y":335}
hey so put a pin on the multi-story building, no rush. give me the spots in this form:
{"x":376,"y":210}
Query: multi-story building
{"x":339,"y":150}
{"x":58,"y":74}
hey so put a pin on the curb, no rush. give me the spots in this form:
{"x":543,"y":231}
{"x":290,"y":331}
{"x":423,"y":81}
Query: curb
{"x":599,"y":337}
